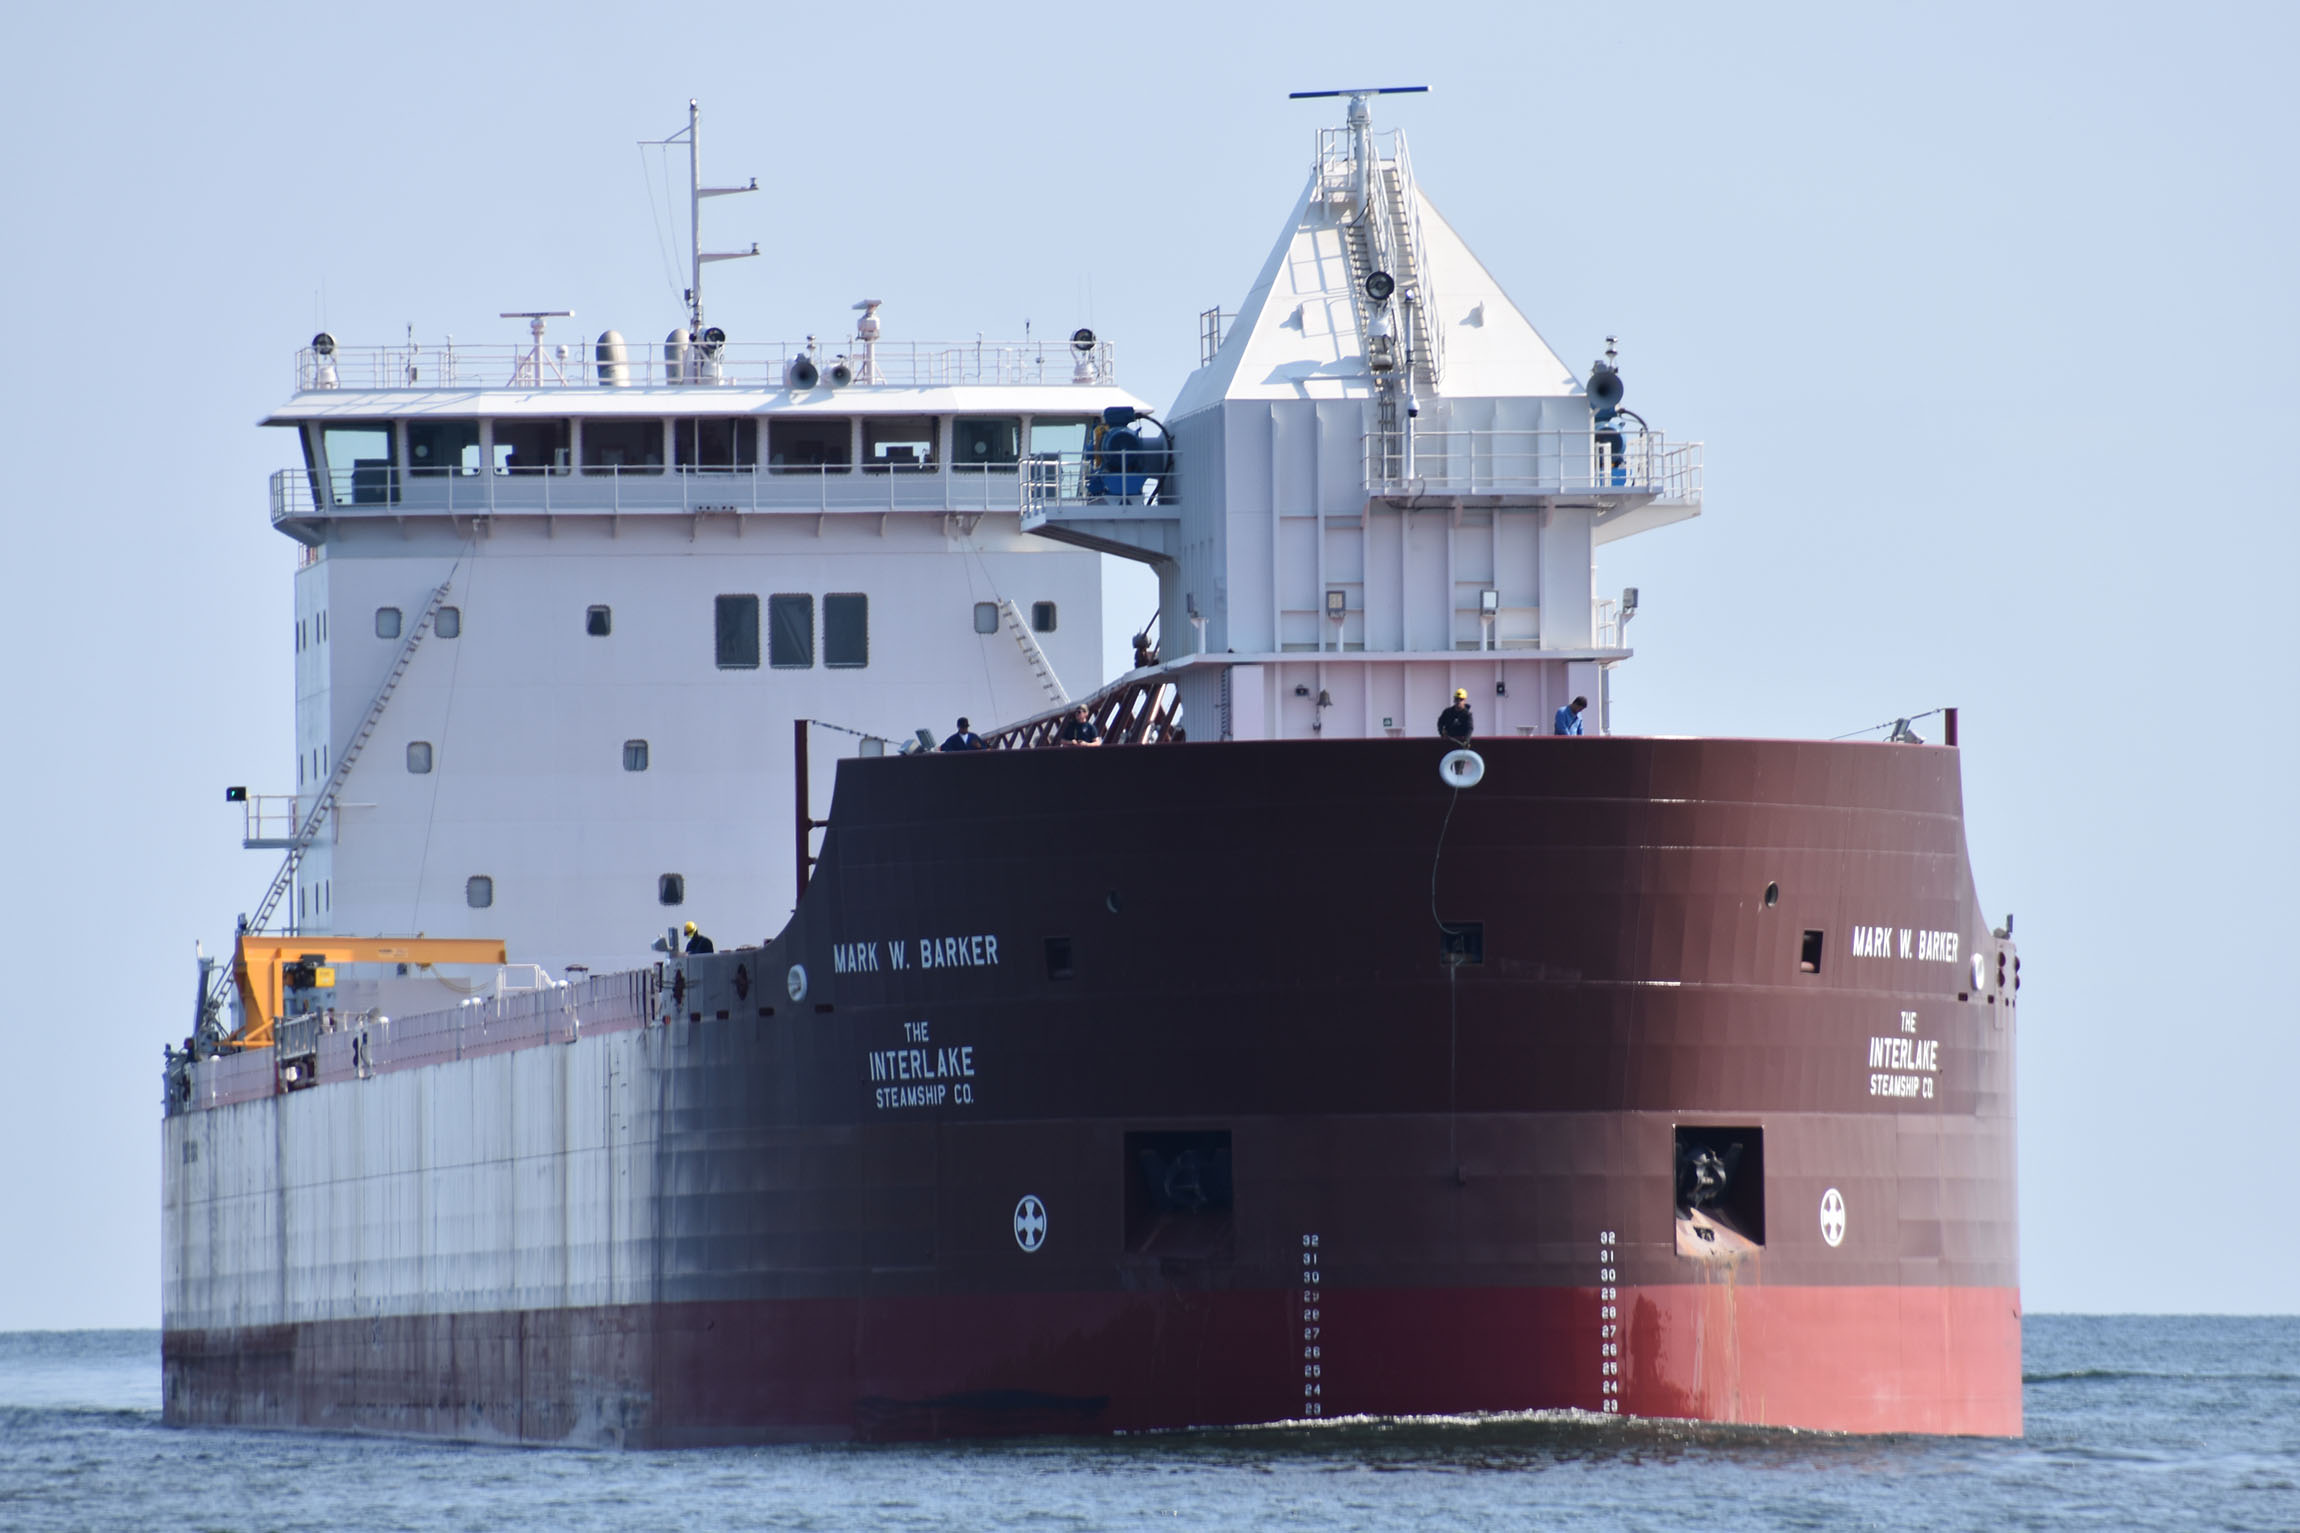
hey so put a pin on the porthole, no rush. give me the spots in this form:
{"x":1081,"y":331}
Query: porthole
{"x":1772,"y":895}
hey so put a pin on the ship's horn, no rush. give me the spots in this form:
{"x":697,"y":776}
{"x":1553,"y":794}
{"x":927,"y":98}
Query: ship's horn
{"x":802,"y":373}
{"x":1605,"y":388}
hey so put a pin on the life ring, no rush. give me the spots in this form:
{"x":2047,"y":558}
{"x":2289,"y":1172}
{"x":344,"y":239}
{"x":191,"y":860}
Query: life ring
{"x":1461,"y":769}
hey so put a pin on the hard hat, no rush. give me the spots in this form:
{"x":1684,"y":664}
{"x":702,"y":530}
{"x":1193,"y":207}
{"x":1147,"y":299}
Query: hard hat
{"x":1460,"y":695}
{"x":690,"y":928}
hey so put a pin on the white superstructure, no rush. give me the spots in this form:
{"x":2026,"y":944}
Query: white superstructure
{"x":561,"y":601}
{"x":1390,"y":486}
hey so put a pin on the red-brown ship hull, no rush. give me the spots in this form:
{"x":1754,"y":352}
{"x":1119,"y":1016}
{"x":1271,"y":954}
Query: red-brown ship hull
{"x":1188,"y":1100}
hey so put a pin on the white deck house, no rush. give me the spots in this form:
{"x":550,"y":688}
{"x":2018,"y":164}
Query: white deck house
{"x":1384,"y":499}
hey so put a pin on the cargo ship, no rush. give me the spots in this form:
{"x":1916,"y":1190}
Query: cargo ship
{"x":1223,"y":1043}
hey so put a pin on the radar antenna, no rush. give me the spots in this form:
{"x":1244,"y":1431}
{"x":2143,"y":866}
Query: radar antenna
{"x":691,"y":135}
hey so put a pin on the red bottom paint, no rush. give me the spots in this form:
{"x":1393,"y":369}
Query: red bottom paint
{"x":1850,"y":1359}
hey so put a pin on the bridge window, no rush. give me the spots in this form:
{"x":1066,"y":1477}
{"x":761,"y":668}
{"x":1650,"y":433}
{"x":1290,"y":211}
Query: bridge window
{"x":986,"y":617}
{"x":718,"y":444}
{"x":738,"y":633}
{"x":479,"y":891}
{"x":419,"y":756}
{"x":361,"y":464}
{"x":986,"y":441}
{"x":447,"y":622}
{"x":599,"y":622}
{"x":900,"y":443}
{"x":387,"y":622}
{"x":846,"y":631}
{"x":622,"y":447}
{"x":531,"y":446}
{"x":810,"y":444}
{"x":634,"y":755}
{"x":435,"y":448}
{"x":1042,"y":617}
{"x":791,"y":639}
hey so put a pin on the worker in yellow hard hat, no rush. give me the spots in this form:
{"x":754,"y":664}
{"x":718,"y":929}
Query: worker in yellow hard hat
{"x":697,"y":942}
{"x":1455,"y":723}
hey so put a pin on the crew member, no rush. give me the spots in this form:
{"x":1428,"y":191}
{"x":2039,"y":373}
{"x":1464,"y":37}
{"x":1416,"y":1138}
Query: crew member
{"x":1455,"y":723}
{"x":1079,"y":729}
{"x":697,"y":942}
{"x":965,"y":740}
{"x":1568,"y":720}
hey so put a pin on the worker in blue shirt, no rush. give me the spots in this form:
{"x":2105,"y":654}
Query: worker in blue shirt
{"x":1568,"y":721}
{"x":965,"y":740}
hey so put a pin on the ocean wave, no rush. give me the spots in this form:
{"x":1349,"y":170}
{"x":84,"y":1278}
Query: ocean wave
{"x":2087,"y":1375}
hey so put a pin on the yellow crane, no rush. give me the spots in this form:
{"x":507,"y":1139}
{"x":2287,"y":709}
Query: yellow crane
{"x":260,"y":963}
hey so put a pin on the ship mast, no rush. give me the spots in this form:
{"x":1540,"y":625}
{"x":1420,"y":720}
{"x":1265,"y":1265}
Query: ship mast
{"x":691,"y":135}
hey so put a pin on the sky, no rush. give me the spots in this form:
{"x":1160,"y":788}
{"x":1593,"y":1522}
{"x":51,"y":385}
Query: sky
{"x":1984,"y":313}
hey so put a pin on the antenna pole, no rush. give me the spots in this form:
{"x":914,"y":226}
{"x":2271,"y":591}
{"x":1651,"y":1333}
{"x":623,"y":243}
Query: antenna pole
{"x":695,"y":211}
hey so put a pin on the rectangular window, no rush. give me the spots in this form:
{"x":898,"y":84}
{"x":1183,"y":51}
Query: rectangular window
{"x":387,"y":622}
{"x":447,"y":622}
{"x":1042,"y":617}
{"x":436,"y":448}
{"x":1058,"y":960}
{"x":361,"y":462}
{"x":986,"y":617}
{"x":846,"y":630}
{"x":903,"y":444}
{"x":791,"y":642}
{"x":479,"y":891}
{"x":1809,"y":955}
{"x":810,"y":444}
{"x":531,"y":446}
{"x":634,"y":755}
{"x":622,"y":447}
{"x":718,"y":444}
{"x":671,"y":889}
{"x":1052,"y":441}
{"x":986,"y":442}
{"x":419,"y":756}
{"x":599,"y":622}
{"x":738,"y":633}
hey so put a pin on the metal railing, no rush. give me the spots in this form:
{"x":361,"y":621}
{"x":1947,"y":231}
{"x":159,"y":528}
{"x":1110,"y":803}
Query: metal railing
{"x":1138,"y":710}
{"x":1213,"y":325}
{"x":273,"y":818}
{"x":1039,"y":480}
{"x":732,"y":364}
{"x":1531,"y":463}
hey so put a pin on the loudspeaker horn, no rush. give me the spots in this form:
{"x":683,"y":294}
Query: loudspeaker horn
{"x":802,"y":373}
{"x":1605,"y":388}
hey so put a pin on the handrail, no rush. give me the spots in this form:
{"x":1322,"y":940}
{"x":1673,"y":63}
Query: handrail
{"x":1535,"y":462}
{"x":1142,"y":708}
{"x":732,"y":364}
{"x":1040,"y":479}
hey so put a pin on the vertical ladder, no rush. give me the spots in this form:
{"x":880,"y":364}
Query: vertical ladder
{"x":284,"y":879}
{"x":1041,"y":668}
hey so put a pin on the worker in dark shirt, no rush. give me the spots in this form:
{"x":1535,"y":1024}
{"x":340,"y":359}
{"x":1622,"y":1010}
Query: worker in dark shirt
{"x":1568,"y":720}
{"x":1079,"y":729}
{"x":697,"y":942}
{"x":1455,"y":723}
{"x":965,"y":740}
